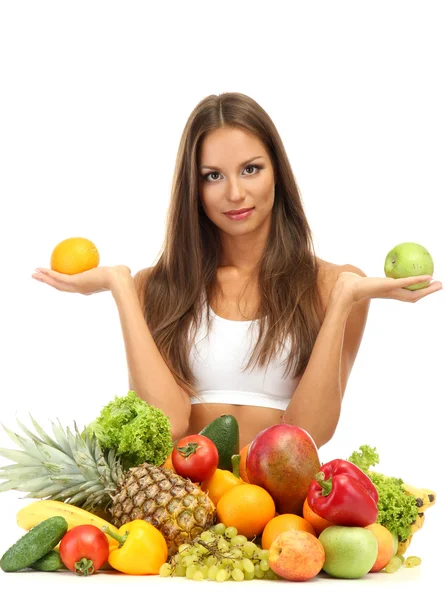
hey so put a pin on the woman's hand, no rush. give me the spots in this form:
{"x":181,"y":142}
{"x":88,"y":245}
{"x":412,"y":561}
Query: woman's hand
{"x":89,"y":282}
{"x":351,"y":287}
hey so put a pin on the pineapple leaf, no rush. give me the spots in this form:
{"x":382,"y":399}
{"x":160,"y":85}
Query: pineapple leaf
{"x":56,"y":469}
{"x":29,"y":447}
{"x":84,"y":460}
{"x":96,"y":498}
{"x":103,"y":469}
{"x":88,"y":484}
{"x":95,"y":491}
{"x":45,"y":437}
{"x":79,"y":498}
{"x":70,"y":438}
{"x":47,"y":492}
{"x":29,"y":433}
{"x":33,"y":485}
{"x":20,"y":457}
{"x":66,"y":493}
{"x":16,"y":472}
{"x":7,"y":485}
{"x":68,"y":479}
{"x":54,"y":455}
{"x":60,"y":436}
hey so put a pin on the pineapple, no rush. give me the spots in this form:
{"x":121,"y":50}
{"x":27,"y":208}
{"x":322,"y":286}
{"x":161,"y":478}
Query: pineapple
{"x":72,"y":468}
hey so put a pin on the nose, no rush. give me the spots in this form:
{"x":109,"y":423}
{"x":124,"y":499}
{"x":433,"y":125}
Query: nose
{"x":235,"y":191}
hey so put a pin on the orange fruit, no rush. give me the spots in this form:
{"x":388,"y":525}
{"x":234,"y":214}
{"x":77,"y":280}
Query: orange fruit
{"x":284,"y":522}
{"x":385,"y":546}
{"x":317,"y":522}
{"x":168,"y":463}
{"x":247,"y":507}
{"x":242,"y":463}
{"x":221,"y":482}
{"x":74,"y":255}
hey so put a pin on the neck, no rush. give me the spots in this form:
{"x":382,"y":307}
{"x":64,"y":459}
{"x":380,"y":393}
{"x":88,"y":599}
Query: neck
{"x":243,"y":252}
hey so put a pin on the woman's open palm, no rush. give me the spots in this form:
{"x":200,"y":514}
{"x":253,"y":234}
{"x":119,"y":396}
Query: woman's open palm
{"x":88,"y":282}
{"x":356,"y":287}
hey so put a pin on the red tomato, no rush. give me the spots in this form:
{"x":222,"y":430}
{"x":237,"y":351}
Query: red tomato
{"x":84,"y":549}
{"x":195,"y":457}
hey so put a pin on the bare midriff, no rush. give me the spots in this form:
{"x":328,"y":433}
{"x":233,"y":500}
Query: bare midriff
{"x":251,"y":419}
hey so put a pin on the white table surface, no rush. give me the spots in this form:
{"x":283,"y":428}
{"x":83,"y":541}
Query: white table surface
{"x":404,"y":583}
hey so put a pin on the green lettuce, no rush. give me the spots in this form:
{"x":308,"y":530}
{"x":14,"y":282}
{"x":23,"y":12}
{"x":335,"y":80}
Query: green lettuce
{"x":397,"y":510}
{"x":137,"y":431}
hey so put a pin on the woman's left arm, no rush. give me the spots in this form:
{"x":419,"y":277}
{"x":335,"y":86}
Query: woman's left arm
{"x":316,"y":403}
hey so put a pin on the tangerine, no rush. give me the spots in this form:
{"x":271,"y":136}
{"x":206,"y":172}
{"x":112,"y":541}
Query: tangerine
{"x":221,"y":482}
{"x":74,"y":255}
{"x":168,"y":463}
{"x":317,"y":522}
{"x":281,"y":523}
{"x":246,"y":507}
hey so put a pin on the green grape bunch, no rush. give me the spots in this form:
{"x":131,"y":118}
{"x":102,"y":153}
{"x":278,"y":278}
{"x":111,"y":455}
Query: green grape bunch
{"x":219,"y":554}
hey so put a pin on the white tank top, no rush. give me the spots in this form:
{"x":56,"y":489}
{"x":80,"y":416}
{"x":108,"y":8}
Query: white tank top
{"x":217,"y":360}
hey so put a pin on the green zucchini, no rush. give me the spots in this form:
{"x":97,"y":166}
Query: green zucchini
{"x":37,"y":542}
{"x":50,"y":562}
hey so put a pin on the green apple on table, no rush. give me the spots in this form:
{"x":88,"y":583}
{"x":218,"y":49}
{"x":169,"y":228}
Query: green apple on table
{"x":350,"y":552}
{"x":409,"y":259}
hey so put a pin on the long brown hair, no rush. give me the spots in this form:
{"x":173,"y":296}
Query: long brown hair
{"x":184,"y":276}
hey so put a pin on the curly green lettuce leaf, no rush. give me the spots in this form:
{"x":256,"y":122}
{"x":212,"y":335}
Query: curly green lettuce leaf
{"x":137,"y":431}
{"x":397,"y":510}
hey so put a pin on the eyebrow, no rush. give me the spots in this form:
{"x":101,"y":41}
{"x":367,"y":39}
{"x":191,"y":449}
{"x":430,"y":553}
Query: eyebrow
{"x":241,"y":165}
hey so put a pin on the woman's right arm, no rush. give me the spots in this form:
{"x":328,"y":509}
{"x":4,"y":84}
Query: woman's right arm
{"x":149,"y":375}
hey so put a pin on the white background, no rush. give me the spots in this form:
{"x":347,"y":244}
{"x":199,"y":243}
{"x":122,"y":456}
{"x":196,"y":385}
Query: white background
{"x":94,"y":99}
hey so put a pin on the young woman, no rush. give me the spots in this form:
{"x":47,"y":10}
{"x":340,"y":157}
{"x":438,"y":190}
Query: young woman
{"x":238,"y":315}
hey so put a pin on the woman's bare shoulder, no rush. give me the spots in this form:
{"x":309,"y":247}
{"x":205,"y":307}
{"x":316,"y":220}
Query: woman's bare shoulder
{"x":328,"y":274}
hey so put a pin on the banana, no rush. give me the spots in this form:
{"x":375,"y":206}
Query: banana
{"x":403,"y":546}
{"x":38,"y":511}
{"x":418,"y":523}
{"x":425,"y":498}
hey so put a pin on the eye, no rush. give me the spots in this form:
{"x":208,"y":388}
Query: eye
{"x":208,"y":176}
{"x":253,"y":167}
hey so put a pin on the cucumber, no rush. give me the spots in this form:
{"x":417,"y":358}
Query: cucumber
{"x":50,"y":562}
{"x":37,"y":542}
{"x":224,"y":432}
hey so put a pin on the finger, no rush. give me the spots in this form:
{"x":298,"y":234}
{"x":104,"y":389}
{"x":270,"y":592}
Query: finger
{"x":416,"y":295}
{"x":60,"y":277}
{"x":433,"y":287}
{"x":58,"y":285}
{"x":47,"y":271}
{"x":404,"y":281}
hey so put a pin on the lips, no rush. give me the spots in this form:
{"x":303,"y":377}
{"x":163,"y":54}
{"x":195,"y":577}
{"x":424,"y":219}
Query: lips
{"x":239,"y":212}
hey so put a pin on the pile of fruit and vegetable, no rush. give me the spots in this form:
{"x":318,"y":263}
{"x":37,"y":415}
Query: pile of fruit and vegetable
{"x":120,"y":495}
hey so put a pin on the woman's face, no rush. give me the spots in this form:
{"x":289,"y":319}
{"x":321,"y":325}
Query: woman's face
{"x":236,"y":173}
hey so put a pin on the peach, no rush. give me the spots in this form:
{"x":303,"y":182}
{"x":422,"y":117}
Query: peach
{"x":296,"y":555}
{"x":385,"y":545}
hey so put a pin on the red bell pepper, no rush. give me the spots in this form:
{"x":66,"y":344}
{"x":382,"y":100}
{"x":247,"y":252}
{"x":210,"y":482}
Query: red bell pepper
{"x":343,"y":494}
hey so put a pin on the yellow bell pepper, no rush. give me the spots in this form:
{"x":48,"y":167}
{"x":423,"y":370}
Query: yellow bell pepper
{"x":142,"y":548}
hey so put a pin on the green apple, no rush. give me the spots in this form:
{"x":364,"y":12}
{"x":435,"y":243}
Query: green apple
{"x":407,"y":260}
{"x":350,"y":552}
{"x":395,"y":539}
